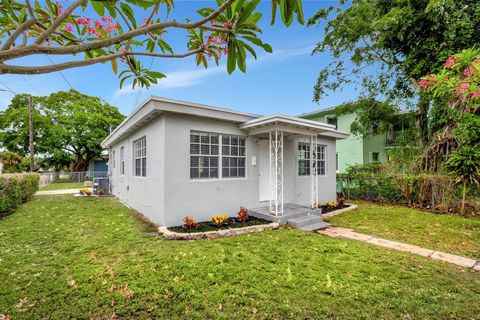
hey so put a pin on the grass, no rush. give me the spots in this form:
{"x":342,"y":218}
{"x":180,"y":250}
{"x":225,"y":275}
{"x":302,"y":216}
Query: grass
{"x":448,"y":233}
{"x":63,"y":185}
{"x":65,"y":257}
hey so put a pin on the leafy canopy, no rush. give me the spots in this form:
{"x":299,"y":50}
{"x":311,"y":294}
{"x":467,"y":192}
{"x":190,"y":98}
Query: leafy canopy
{"x":68,"y":126}
{"x":402,"y":39}
{"x":121,"y":32}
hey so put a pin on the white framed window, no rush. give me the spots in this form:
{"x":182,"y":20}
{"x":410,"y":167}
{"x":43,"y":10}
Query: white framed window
{"x":122,"y":160}
{"x":374,"y":156}
{"x":303,"y":158}
{"x":204,"y":155}
{"x":216,"y":156}
{"x":337,"y":162}
{"x":140,"y":157}
{"x":332,"y":119}
{"x":234,"y":157}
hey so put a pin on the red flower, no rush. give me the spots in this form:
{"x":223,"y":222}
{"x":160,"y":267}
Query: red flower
{"x":476,"y":94}
{"x":107,"y":19}
{"x":469,"y":71}
{"x":68,"y":28}
{"x":425,"y":83}
{"x":450,"y":62}
{"x":461,"y":88}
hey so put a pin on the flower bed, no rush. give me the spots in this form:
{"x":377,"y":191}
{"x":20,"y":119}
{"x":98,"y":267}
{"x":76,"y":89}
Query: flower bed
{"x":327,"y":209}
{"x":231,"y":223}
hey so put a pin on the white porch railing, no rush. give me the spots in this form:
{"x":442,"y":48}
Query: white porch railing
{"x":276,"y":172}
{"x":313,"y":172}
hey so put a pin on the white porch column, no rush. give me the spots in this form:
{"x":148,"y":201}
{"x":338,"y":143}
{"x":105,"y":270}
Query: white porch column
{"x":313,"y":172}
{"x":276,"y":172}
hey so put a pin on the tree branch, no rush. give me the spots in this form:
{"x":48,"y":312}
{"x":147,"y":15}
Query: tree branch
{"x":56,"y":23}
{"x":37,"y":49}
{"x":24,"y":26}
{"x":161,"y":55}
{"x":5,"y":69}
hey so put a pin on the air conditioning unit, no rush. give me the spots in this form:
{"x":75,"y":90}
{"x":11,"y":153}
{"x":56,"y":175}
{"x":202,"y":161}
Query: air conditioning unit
{"x":101,"y":184}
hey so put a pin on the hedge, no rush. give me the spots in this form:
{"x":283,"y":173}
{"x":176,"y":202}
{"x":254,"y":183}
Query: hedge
{"x":433,"y":192}
{"x":16,"y":189}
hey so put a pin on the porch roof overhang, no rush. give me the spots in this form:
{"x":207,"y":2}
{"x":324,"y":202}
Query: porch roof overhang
{"x":292,"y":125}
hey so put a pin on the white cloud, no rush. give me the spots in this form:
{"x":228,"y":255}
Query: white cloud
{"x":189,"y":77}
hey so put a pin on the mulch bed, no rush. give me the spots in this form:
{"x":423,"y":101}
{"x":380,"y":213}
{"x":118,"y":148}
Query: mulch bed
{"x":232,"y":223}
{"x":327,"y":209}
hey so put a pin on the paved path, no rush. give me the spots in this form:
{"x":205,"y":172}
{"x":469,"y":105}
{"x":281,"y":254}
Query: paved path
{"x":344,"y":233}
{"x":62,"y":191}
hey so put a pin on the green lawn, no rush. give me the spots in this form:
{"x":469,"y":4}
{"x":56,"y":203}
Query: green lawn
{"x":65,"y":257}
{"x":449,"y":233}
{"x":63,"y":185}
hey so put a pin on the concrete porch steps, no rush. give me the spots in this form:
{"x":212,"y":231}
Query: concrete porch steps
{"x":301,"y":217}
{"x":304,"y":220}
{"x":308,"y":222}
{"x":316,"y":226}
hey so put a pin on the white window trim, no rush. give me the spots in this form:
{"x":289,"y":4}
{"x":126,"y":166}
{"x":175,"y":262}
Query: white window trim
{"x":337,"y":162}
{"x":220,"y":157}
{"x":134,"y":158}
{"x":326,"y":162}
{"x":122,"y":160}
{"x":331,"y":116}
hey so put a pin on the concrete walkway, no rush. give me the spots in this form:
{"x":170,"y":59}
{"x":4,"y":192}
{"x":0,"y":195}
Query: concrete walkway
{"x":62,"y":191}
{"x":344,"y":233}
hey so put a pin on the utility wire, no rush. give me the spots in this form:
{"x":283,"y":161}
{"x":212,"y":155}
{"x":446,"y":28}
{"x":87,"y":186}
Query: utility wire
{"x":61,"y":73}
{"x":141,"y":89}
{"x":8,"y":88}
{"x":30,"y":84}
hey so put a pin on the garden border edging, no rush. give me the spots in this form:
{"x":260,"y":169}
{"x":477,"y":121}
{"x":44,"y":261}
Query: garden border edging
{"x":171,"y":235}
{"x":337,"y":212}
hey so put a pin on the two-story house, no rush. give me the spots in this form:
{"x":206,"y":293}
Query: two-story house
{"x":357,"y":149}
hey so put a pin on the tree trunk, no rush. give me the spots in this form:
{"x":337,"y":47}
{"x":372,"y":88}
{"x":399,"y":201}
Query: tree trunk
{"x":422,"y":119}
{"x":464,"y":196}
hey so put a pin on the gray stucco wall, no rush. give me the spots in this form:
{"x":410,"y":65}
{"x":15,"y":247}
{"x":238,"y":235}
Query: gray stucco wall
{"x":144,"y":194}
{"x":168,"y":194}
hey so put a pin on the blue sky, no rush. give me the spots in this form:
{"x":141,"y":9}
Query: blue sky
{"x":280,"y":82}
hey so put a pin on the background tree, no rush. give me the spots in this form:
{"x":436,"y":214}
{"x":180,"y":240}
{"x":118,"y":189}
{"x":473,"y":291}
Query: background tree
{"x":115,"y":33}
{"x":457,"y":90}
{"x":399,"y":40}
{"x":464,"y":165}
{"x":68,"y":125}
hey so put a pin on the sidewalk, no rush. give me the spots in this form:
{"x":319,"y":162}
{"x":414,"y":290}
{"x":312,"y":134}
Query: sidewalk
{"x":349,"y":234}
{"x":62,"y":191}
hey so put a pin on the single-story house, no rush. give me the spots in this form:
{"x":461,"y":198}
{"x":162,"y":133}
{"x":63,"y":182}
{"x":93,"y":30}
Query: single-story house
{"x":170,"y":159}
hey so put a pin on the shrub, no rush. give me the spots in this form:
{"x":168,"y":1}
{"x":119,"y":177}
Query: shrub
{"x":331,"y":204}
{"x":242,"y":215}
{"x":189,"y":223}
{"x":16,"y":189}
{"x":219,"y":220}
{"x":433,"y":192}
{"x":86,"y":192}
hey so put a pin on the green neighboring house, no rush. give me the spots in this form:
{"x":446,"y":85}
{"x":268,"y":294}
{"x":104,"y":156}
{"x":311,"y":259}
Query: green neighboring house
{"x":357,"y":149}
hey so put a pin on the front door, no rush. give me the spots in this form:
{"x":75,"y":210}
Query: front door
{"x":264,"y":170}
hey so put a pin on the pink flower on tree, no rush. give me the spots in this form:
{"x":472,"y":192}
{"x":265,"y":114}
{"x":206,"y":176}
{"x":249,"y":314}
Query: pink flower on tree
{"x":59,"y":8}
{"x":476,"y":94}
{"x":98,"y":24}
{"x":462,"y":87}
{"x":107,"y":19}
{"x":68,"y":28}
{"x":450,"y":62}
{"x":425,"y":83}
{"x":83,"y":21}
{"x":469,"y":71}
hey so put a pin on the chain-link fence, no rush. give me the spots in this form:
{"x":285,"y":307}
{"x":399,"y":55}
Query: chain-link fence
{"x":432,"y":192}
